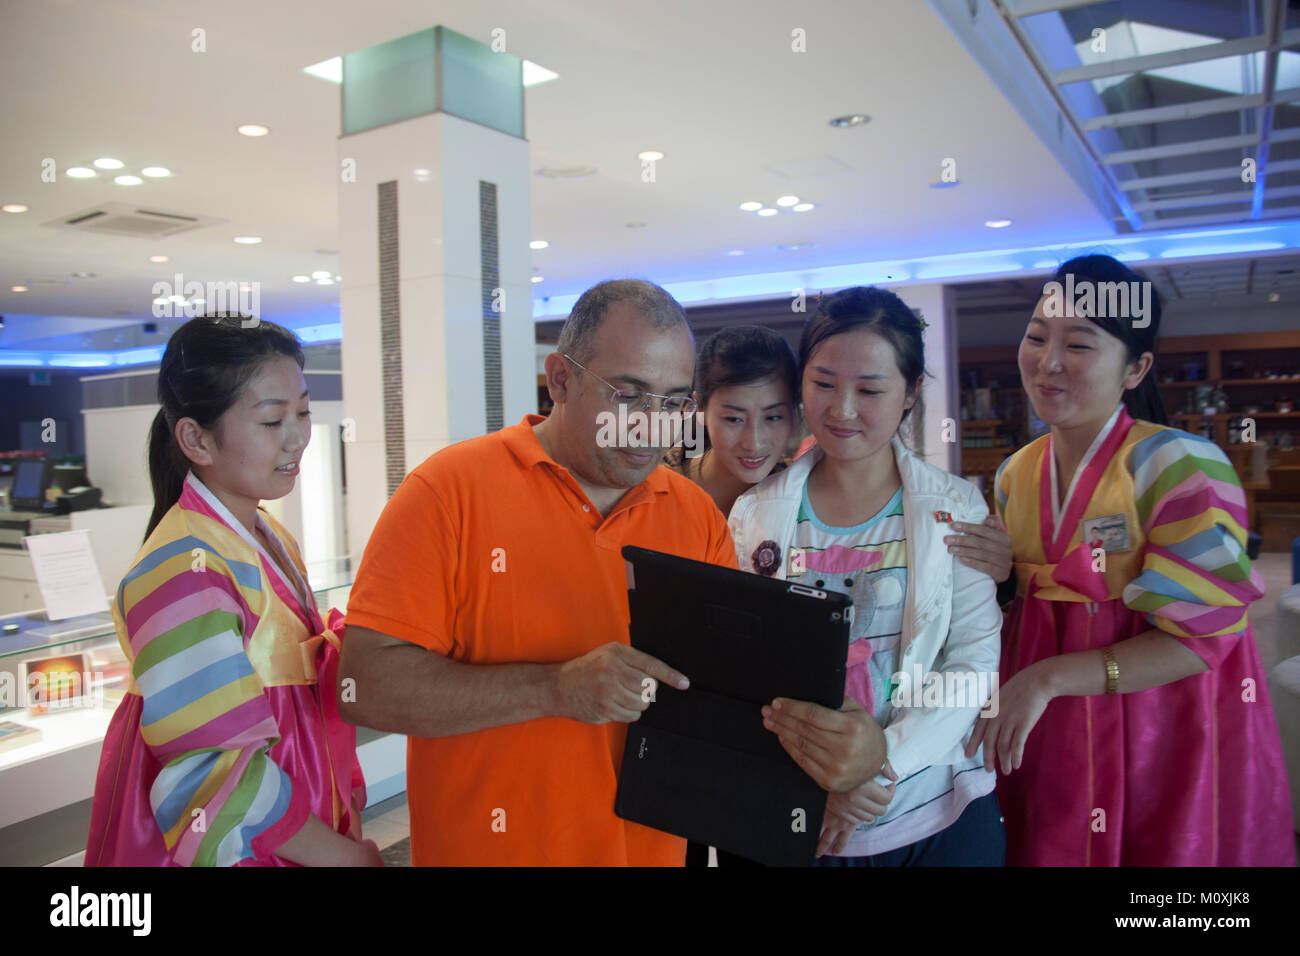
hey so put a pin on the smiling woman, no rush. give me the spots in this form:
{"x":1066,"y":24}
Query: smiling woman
{"x":228,"y":748}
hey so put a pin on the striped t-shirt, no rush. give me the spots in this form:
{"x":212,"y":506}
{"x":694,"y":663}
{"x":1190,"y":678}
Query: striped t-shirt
{"x":868,"y":562}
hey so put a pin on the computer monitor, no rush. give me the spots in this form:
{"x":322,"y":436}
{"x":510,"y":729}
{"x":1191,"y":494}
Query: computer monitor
{"x":31,"y":478}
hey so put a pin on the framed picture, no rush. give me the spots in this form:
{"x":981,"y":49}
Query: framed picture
{"x":57,"y":683}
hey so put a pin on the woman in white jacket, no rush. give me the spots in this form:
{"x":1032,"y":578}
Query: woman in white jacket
{"x":861,"y":515}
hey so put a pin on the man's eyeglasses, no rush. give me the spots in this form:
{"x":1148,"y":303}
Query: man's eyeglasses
{"x":637,"y":400}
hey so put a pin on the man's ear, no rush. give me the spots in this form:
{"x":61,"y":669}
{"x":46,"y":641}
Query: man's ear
{"x":195,"y":443}
{"x":559,"y":377}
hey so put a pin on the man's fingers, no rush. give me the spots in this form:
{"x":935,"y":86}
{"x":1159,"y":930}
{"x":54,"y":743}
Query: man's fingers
{"x":655,"y":668}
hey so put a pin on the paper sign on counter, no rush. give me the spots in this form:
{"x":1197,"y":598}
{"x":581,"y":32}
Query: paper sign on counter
{"x":67,"y":574}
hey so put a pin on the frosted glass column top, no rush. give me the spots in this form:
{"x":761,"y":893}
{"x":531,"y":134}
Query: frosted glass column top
{"x":431,"y":71}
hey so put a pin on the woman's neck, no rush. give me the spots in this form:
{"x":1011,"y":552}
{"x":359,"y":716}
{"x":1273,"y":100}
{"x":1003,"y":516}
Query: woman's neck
{"x":723,"y":487}
{"x":243,"y":509}
{"x":859,"y":487}
{"x":1069,"y":446}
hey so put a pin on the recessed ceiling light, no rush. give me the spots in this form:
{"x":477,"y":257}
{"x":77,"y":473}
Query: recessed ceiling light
{"x":322,"y":274}
{"x":302,"y":278}
{"x":128,"y":180}
{"x":107,"y":162}
{"x":18,"y":288}
{"x":768,"y":211}
{"x":803,"y":207}
{"x":82,"y":275}
{"x":1274,"y":297}
{"x":80,"y":172}
{"x":735,"y":252}
{"x":787,"y":201}
{"x":538,"y":244}
{"x":537,"y":279}
{"x":252,"y":129}
{"x":156,"y":172}
{"x":157,"y":258}
{"x":421,"y":175}
{"x":997,"y":223}
{"x":324,"y":281}
{"x":650,"y":156}
{"x":14,"y":207}
{"x":248,"y":240}
{"x":751,"y":206}
{"x":794,"y":246}
{"x":852,"y":119}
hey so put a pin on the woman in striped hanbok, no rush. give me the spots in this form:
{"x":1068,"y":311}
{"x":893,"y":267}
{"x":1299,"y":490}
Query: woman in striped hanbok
{"x":228,"y":749}
{"x":1134,"y":725}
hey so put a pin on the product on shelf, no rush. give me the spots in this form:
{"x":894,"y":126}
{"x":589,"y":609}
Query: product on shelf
{"x":13,"y":735}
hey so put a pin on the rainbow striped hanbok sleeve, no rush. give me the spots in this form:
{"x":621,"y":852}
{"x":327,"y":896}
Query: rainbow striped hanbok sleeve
{"x":1196,"y":580}
{"x":218,"y":798}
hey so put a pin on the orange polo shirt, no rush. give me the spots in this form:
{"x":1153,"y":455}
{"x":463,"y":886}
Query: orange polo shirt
{"x":489,"y":552}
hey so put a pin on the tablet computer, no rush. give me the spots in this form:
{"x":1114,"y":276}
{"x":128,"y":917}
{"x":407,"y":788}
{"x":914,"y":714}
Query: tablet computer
{"x":699,"y":763}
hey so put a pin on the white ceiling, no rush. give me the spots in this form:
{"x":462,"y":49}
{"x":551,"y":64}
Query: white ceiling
{"x":713,"y":85}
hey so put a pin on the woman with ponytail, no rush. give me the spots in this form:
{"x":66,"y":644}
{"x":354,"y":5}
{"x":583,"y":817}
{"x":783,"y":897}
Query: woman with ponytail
{"x":228,"y":748}
{"x":1134,"y":725}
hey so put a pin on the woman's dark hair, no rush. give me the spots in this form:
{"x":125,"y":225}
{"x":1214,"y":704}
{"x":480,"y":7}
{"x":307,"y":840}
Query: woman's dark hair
{"x":880,"y":311}
{"x":1143,"y":402}
{"x":742,"y":355}
{"x":207,"y":363}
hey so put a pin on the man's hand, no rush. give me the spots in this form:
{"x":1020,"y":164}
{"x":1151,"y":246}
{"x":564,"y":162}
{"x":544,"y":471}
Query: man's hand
{"x":614,"y":682}
{"x":985,"y":547}
{"x":840,"y":749}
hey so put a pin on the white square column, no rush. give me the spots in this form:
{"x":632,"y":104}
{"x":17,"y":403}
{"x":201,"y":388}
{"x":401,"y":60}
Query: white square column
{"x":428,"y":208}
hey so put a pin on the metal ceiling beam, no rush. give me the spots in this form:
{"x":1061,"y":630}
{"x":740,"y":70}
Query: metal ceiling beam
{"x":1181,"y":149}
{"x":1027,"y":8}
{"x":1185,"y":179}
{"x":1192,"y":202}
{"x":1282,"y":212}
{"x":1275,"y":14}
{"x":1180,"y":111}
{"x":1156,"y":61}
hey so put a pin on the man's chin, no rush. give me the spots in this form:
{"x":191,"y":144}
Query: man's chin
{"x":631,"y":466}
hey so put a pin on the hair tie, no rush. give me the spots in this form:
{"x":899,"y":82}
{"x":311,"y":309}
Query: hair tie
{"x":920,"y":318}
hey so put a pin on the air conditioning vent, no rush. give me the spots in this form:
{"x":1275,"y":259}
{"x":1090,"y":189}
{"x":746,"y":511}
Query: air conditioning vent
{"x":125,"y":219}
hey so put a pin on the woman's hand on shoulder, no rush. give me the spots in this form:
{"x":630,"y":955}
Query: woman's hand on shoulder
{"x":985,"y":547}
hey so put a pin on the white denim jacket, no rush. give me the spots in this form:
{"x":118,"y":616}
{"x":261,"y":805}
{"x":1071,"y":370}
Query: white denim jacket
{"x":951,"y":618}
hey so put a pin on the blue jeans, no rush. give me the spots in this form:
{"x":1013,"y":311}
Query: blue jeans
{"x":976,"y":838}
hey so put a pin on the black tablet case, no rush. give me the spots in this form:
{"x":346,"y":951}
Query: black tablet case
{"x":699,"y":763}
